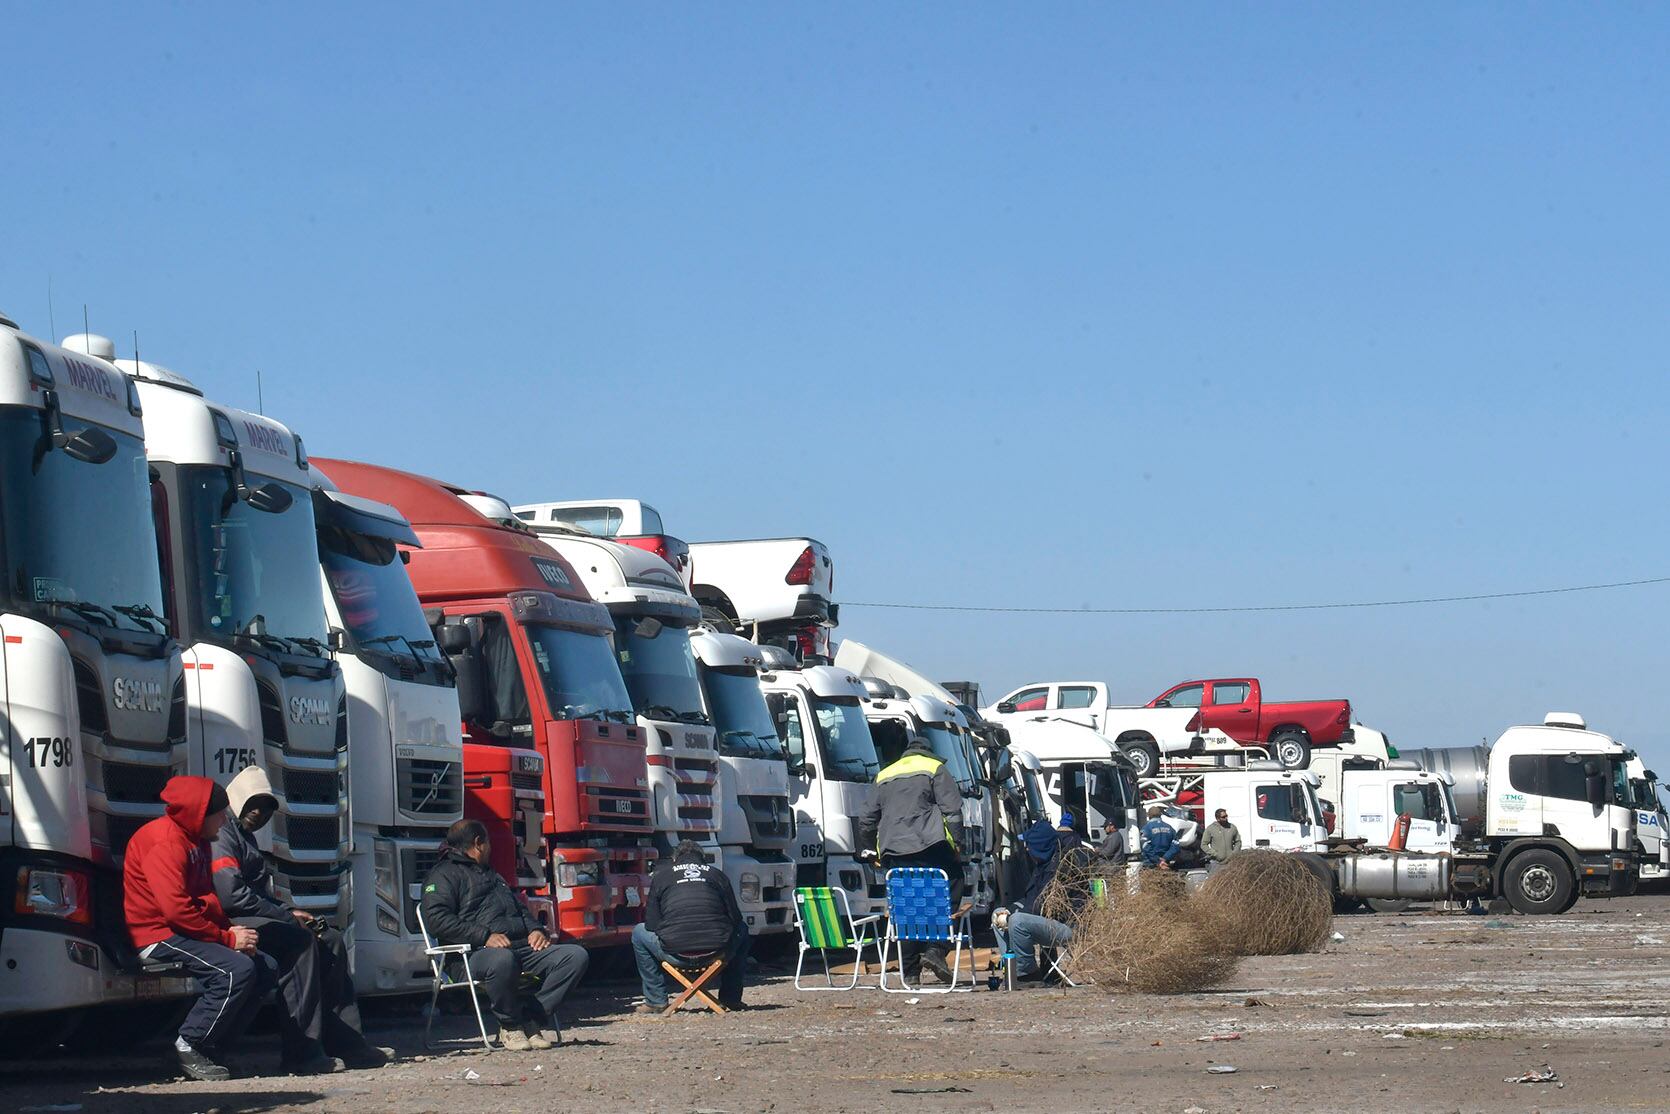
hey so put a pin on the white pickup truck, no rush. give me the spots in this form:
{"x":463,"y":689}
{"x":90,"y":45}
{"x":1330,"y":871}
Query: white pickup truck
{"x":1141,"y":734}
{"x":776,"y":591}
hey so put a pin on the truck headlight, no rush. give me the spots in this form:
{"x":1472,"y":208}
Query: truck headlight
{"x":749,"y":889}
{"x":386,"y":922}
{"x":54,"y":892}
{"x":383,"y":871}
{"x":571,"y":875}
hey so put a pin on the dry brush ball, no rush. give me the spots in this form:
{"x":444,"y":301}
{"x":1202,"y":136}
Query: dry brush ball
{"x":1268,"y":903}
{"x":1151,"y":938}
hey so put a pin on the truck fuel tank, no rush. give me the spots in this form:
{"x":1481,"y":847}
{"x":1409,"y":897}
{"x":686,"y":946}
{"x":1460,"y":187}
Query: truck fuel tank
{"x":1393,"y":876}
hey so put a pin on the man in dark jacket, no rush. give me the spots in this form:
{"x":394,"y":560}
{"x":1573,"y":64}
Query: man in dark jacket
{"x":1023,"y":928}
{"x":173,"y":915}
{"x":915,"y":818}
{"x":1159,"y":841}
{"x":465,"y":901}
{"x":691,"y":911}
{"x":323,"y":1019}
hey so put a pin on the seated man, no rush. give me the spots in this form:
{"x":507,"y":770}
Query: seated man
{"x":465,"y":901}
{"x":691,"y":911}
{"x":172,"y":914}
{"x":1021,"y":929}
{"x":322,"y":1019}
{"x":1159,"y":841}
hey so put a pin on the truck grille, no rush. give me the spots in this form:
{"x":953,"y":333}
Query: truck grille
{"x":311,"y":787}
{"x":272,"y":715}
{"x":415,"y":865}
{"x":118,"y":830}
{"x":135,"y":785}
{"x":526,"y":781}
{"x":768,"y":817}
{"x":89,"y":698}
{"x":429,"y":787}
{"x":313,"y":833}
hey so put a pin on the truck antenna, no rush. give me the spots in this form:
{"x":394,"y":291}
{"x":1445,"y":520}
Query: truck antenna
{"x":136,"y":350}
{"x":86,"y":328}
{"x":260,"y":400}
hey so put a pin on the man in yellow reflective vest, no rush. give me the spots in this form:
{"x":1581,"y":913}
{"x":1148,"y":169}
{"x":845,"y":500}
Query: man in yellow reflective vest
{"x":916,"y":819}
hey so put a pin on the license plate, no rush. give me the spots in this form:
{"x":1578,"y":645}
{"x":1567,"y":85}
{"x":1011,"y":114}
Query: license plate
{"x":632,"y":897}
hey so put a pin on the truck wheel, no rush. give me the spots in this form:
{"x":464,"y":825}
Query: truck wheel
{"x":1324,"y":874}
{"x":1291,"y":749}
{"x":1539,"y":881}
{"x":717,"y":621}
{"x":1144,"y":755}
{"x":1389,"y":904}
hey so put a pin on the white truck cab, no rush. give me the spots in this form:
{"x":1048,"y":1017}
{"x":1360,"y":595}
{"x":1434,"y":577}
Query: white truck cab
{"x":405,"y":743}
{"x":1651,"y":823}
{"x":92,"y":694}
{"x":240,"y":566}
{"x":1373,"y":799}
{"x":653,"y":617}
{"x":1273,"y":807}
{"x":1146,"y":736}
{"x":756,"y":819}
{"x":819,"y":714}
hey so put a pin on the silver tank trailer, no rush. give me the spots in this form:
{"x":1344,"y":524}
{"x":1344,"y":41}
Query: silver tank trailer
{"x":1466,"y":765}
{"x":1393,"y":876}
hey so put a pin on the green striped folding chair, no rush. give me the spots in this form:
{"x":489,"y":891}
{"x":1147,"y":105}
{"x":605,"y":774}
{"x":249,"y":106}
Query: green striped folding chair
{"x":825,"y":928}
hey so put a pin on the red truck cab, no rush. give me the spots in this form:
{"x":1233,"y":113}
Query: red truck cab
{"x":537,"y":670}
{"x":1235,"y":706}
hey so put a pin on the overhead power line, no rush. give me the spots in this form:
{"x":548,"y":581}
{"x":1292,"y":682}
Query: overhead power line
{"x":1268,"y":607}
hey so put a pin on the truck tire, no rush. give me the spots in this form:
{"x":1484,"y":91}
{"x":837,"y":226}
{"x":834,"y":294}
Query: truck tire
{"x":717,"y":621}
{"x":1539,"y":881}
{"x":1144,"y":755}
{"x":1324,"y":874}
{"x":1291,"y":748}
{"x":1389,"y":904}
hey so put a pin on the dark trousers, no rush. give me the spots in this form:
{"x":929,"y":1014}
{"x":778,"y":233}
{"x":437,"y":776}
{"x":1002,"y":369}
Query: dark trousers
{"x":650,"y":953}
{"x":558,"y":968}
{"x":941,"y":856}
{"x":320,"y":1010}
{"x":232,"y":987}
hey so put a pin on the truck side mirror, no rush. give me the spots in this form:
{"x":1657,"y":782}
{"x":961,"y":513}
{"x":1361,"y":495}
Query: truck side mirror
{"x":1004,"y":769}
{"x":1005,"y":708}
{"x":1594,"y":787}
{"x":1162,"y":703}
{"x":454,"y":638}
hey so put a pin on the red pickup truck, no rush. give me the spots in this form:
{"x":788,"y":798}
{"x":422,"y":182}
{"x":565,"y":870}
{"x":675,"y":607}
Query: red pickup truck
{"x":1234,"y":705}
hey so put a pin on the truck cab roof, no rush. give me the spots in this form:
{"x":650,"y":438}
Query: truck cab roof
{"x":87,"y":387}
{"x":625,"y":579}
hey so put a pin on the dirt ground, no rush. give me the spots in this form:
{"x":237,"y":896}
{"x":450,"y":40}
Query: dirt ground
{"x":1423,"y":1011}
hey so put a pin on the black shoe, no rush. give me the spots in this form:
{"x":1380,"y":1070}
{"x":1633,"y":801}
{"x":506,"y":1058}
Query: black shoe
{"x":935,"y":963}
{"x":732,"y":1006}
{"x":366,"y":1057}
{"x":199,"y":1066}
{"x":313,"y":1065}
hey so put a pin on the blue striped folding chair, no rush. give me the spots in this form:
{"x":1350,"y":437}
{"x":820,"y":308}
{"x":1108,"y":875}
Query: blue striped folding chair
{"x":919,"y":911}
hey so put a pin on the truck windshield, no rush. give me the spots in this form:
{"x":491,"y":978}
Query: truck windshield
{"x":849,"y":753}
{"x":253,"y":572}
{"x":1422,"y":800}
{"x":374,"y":596}
{"x":579,"y":673}
{"x":77,"y":533}
{"x":660,"y":672}
{"x":949,"y":748}
{"x":739,"y":713}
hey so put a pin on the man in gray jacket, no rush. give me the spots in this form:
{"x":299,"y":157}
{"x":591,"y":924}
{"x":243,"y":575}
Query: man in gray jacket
{"x":322,"y":1017}
{"x":1220,"y":840}
{"x":916,"y":819}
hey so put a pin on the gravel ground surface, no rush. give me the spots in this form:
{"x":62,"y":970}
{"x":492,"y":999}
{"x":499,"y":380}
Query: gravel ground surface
{"x":1423,"y":1011}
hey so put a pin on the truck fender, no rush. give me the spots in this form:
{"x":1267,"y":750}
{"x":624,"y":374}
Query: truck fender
{"x":1518,"y":846}
{"x":1280,"y":728}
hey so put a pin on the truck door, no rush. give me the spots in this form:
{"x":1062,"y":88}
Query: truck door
{"x":1282,"y":814}
{"x":1425,"y":805}
{"x":1029,"y":700}
{"x":1183,"y":696}
{"x":805,"y":790}
{"x":1229,"y":708}
{"x":1080,"y":702}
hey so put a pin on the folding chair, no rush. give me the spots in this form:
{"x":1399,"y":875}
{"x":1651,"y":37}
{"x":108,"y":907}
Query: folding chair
{"x":706,"y":968}
{"x":824,"y":928}
{"x":919,"y":911}
{"x":442,"y":979}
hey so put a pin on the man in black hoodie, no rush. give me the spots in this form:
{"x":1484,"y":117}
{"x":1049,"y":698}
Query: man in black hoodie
{"x":691,"y":911}
{"x":466,"y":902}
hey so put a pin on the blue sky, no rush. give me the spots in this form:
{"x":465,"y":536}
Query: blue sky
{"x":1096,"y":305}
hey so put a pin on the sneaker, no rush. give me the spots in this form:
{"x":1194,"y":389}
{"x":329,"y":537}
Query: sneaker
{"x":536,"y":1039}
{"x":733,"y":1006}
{"x":514,"y":1040}
{"x":936,"y":964}
{"x":649,"y":1008}
{"x":314,"y":1065}
{"x":199,"y":1066}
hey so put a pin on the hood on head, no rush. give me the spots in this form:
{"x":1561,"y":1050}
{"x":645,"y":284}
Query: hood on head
{"x":250,"y":783}
{"x":188,"y":800}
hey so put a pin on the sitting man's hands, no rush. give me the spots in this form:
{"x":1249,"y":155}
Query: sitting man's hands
{"x":498,"y":940}
{"x":538,"y":941}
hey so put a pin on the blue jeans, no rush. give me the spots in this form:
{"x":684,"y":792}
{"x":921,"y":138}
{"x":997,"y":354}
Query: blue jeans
{"x":647,"y":949}
{"x":1026,"y":933}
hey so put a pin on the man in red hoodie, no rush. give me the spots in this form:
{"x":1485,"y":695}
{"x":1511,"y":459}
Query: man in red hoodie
{"x":172,"y":913}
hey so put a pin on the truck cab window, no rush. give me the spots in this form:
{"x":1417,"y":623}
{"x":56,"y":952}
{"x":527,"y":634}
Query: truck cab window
{"x":1276,"y":802}
{"x":891,"y":737}
{"x":786,"y":710}
{"x":1077,"y":696}
{"x":1186,"y":697}
{"x":1420,"y":801}
{"x":507,"y":700}
{"x":1235,"y":693}
{"x":1030,"y":700}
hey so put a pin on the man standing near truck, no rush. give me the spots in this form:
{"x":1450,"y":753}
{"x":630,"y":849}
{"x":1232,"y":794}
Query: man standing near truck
{"x":1159,"y":841}
{"x":1221,"y":840}
{"x":916,"y":819}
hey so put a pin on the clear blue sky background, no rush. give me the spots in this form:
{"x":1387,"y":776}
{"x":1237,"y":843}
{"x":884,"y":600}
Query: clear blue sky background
{"x":1093,"y":305}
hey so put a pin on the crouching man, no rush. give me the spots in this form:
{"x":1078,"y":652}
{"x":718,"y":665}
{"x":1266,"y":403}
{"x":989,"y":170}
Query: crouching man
{"x":313,"y":976}
{"x":690,"y":911}
{"x":173,"y":915}
{"x":466,"y":902}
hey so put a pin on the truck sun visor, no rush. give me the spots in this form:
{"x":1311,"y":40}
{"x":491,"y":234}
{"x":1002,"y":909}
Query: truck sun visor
{"x":361,"y":516}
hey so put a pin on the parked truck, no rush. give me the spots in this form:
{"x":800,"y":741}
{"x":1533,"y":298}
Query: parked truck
{"x":536,"y":670}
{"x":818,"y":712}
{"x":92,"y":691}
{"x":756,"y":817}
{"x":1145,"y":736}
{"x":239,"y":551}
{"x":628,"y":521}
{"x":774,"y":591}
{"x":1290,"y":730}
{"x":1651,"y":823}
{"x":404,"y":742}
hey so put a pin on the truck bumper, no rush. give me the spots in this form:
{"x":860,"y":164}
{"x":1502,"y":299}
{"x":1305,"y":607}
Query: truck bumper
{"x":1615,"y":875}
{"x":43,"y":972}
{"x":388,"y":964}
{"x":765,"y":891}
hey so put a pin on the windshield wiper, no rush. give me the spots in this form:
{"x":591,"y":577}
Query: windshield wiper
{"x":660,"y":711}
{"x":412,"y":647}
{"x":88,"y":610}
{"x":699,"y":718}
{"x":142,"y":614}
{"x":262,"y":638}
{"x":311,"y":643}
